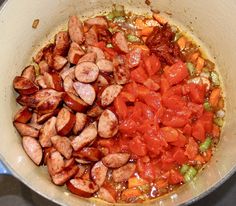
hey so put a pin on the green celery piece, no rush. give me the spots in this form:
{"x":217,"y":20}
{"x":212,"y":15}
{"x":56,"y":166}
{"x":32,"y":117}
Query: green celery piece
{"x":191,"y":68}
{"x":184,"y":169}
{"x":133,"y":38}
{"x":215,"y":78}
{"x":190,"y":174}
{"x":207,"y":106}
{"x":204,"y":146}
{"x":219,"y":121}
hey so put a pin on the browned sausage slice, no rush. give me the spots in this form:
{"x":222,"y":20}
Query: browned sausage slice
{"x":109,"y":94}
{"x":24,"y":86}
{"x":105,"y":65}
{"x":75,"y":52}
{"x":119,"y":42}
{"x":121,"y":74}
{"x":102,"y":81}
{"x":62,"y":43}
{"x":68,"y":85}
{"x":32,"y":149}
{"x":106,"y":195}
{"x":115,"y":160}
{"x":80,"y":121}
{"x":108,"y":124}
{"x":76,"y":31}
{"x":86,"y":72}
{"x":55,"y":162}
{"x":65,"y":122}
{"x":100,"y":21}
{"x":95,"y":111}
{"x":100,"y":54}
{"x":43,"y":118}
{"x":88,"y":153}
{"x":40,"y":81}
{"x":98,"y":173}
{"x":43,"y":67}
{"x":68,"y":71}
{"x":53,"y":81}
{"x":62,"y":145}
{"x":47,"y":131}
{"x":85,"y":91}
{"x":74,"y":102}
{"x":91,"y":36}
{"x":59,"y":62}
{"x":62,"y":177}
{"x":89,"y":57}
{"x":83,"y":188}
{"x":26,"y":130}
{"x":86,"y":136}
{"x":23,"y":115}
{"x":122,"y":174}
{"x":29,"y":73}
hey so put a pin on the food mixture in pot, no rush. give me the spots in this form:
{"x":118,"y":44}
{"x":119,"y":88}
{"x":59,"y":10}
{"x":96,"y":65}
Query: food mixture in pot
{"x":121,"y":107}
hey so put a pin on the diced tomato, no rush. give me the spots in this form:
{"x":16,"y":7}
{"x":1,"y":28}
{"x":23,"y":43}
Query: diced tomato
{"x":207,"y":121}
{"x":176,"y":73}
{"x":175,"y":177}
{"x":128,"y":97}
{"x":180,"y":157}
{"x":128,"y":126}
{"x":153,"y":99}
{"x":173,"y":102}
{"x":152,"y":64}
{"x":185,"y":89}
{"x":151,"y":84}
{"x":142,"y":91}
{"x":137,"y":147}
{"x":133,"y":57}
{"x":169,"y":134}
{"x":123,"y":143}
{"x":164,"y":85}
{"x":138,"y":75}
{"x":197,"y":93}
{"x":196,"y":109}
{"x":198,"y":131}
{"x":172,"y":119}
{"x":191,"y":150}
{"x":181,"y":141}
{"x":154,"y":144}
{"x":187,"y":130}
{"x":146,"y":170}
{"x":120,"y":107}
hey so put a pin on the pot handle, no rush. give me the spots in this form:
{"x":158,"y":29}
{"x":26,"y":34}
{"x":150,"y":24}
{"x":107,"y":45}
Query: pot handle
{"x":4,"y":170}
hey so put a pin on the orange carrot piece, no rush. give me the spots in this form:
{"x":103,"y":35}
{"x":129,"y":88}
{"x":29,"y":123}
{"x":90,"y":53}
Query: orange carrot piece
{"x":199,"y":159}
{"x":139,"y":23}
{"x":144,"y":38}
{"x":159,"y":18}
{"x":215,"y":97}
{"x":207,"y":155}
{"x":194,"y":57}
{"x":130,"y":193}
{"x":146,"y":31}
{"x":182,"y":42}
{"x":134,"y":182}
{"x":199,"y":65}
{"x":140,"y":46}
{"x":161,"y":183}
{"x":215,"y":131}
{"x":220,"y":103}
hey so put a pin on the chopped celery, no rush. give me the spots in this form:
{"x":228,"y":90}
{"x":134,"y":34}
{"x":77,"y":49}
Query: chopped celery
{"x":204,"y":146}
{"x":119,"y":19}
{"x":133,"y":38}
{"x":190,"y":174}
{"x":191,"y":68}
{"x":109,"y":46}
{"x":144,"y":188}
{"x":110,"y":16}
{"x":207,"y":106}
{"x":219,"y":121}
{"x":215,"y":78}
{"x":184,"y":169}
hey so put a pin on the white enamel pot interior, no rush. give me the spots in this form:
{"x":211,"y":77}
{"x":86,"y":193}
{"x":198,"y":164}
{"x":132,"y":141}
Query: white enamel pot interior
{"x":212,"y":21}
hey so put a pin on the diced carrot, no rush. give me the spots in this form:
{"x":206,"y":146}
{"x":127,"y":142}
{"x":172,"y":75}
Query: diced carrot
{"x":135,"y":181}
{"x":159,"y":18}
{"x":146,"y":31}
{"x":215,"y":97}
{"x":215,"y":131}
{"x":194,"y":57}
{"x":220,"y":103}
{"x":199,"y":65}
{"x":130,"y":193}
{"x":207,"y":155}
{"x":199,"y":159}
{"x":144,"y":38}
{"x":139,"y":23}
{"x":182,"y":42}
{"x":161,"y":183}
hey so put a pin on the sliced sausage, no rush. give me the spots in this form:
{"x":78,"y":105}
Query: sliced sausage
{"x":62,"y":177}
{"x":59,"y":62}
{"x":68,"y":71}
{"x":55,"y":162}
{"x":89,"y":57}
{"x":100,"y":21}
{"x":98,"y":173}
{"x":41,"y":82}
{"x":115,"y":160}
{"x":99,"y":53}
{"x":76,"y":31}
{"x":24,"y":86}
{"x":32,"y":149}
{"x":62,"y":43}
{"x":88,"y":153}
{"x":101,"y":81}
{"x":85,"y":91}
{"x":81,"y":170}
{"x":34,"y":123}
{"x":119,"y":42}
{"x":106,"y":195}
{"x":83,"y":188}
{"x":134,"y":58}
{"x":62,"y":145}
{"x":80,"y":121}
{"x":86,"y":136}
{"x":86,"y":72}
{"x":43,"y":118}
{"x":123,"y":173}
{"x":82,"y":161}
{"x":107,"y":124}
{"x":65,"y":122}
{"x":68,"y":85}
{"x":53,"y":81}
{"x":105,"y":65}
{"x":75,"y":52}
{"x":47,"y":131}
{"x":23,"y":115}
{"x":26,"y":130}
{"x":95,"y":111}
{"x":43,"y":67}
{"x":74,"y":102}
{"x":121,"y":74}
{"x":91,"y":37}
{"x":109,"y":94}
{"x":29,"y":73}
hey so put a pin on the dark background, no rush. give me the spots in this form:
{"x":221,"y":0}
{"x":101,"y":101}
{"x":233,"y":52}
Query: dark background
{"x":14,"y":193}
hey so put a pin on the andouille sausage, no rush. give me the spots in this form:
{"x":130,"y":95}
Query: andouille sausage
{"x":99,"y":21}
{"x":43,"y":67}
{"x":74,"y":102}
{"x":88,"y":57}
{"x":91,"y":37}
{"x":23,"y":115}
{"x":24,"y":86}
{"x":88,"y":153}
{"x":41,"y":82}
{"x":106,"y":195}
{"x":98,"y":173}
{"x":29,"y":73}
{"x":100,"y":54}
{"x":76,"y":31}
{"x":105,"y":65}
{"x":95,"y":111}
{"x":26,"y":130}
{"x":85,"y":91}
{"x":68,"y":71}
{"x":68,"y":85}
{"x":123,"y":173}
{"x":55,"y":162}
{"x":109,"y":94}
{"x":80,"y":121}
{"x":59,"y":62}
{"x":62,"y":43}
{"x":115,"y":160}
{"x":86,"y":72}
{"x":102,"y":81}
{"x":121,"y":74}
{"x":32,"y":149}
{"x":119,"y":42}
{"x":75,"y":52}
